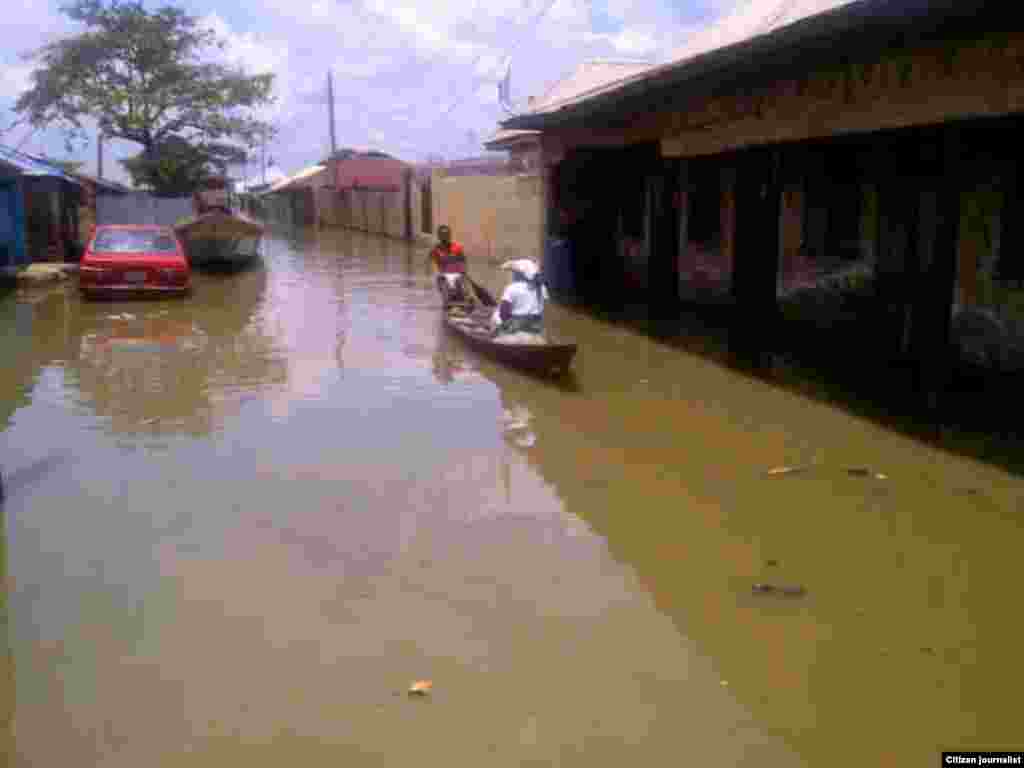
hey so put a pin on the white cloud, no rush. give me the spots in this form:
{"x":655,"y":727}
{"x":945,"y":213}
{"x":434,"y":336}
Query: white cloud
{"x":488,"y":66}
{"x":399,"y":65}
{"x":487,"y":94}
{"x":14,"y":79}
{"x":631,"y":41}
{"x":255,"y":54}
{"x":567,"y":11}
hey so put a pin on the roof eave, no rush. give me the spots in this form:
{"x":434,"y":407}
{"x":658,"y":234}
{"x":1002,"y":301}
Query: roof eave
{"x":825,"y":31}
{"x":506,"y":144}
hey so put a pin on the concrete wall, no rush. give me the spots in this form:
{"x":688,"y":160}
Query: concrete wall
{"x":416,"y":205}
{"x":494,"y":217}
{"x":328,"y":207}
{"x":376,"y":211}
{"x":141,"y":208}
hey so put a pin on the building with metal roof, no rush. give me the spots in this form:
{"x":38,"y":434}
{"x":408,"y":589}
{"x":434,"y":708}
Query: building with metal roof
{"x":16,"y":163}
{"x":38,"y":210}
{"x":814,"y":171}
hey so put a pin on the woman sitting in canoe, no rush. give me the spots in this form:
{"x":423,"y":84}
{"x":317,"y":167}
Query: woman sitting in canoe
{"x":521,"y":309}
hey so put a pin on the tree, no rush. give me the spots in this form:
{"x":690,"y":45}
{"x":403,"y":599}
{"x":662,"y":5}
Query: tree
{"x":177,"y":167}
{"x":68,"y":166}
{"x":142,"y":76}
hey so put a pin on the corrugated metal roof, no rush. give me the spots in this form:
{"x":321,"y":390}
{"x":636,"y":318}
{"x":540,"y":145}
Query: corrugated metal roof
{"x":305,"y":173}
{"x":754,"y":28}
{"x":29,"y":165}
{"x":748,"y":20}
{"x":506,"y":137}
{"x":588,"y":77}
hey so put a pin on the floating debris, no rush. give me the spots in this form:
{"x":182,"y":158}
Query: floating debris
{"x":420,"y":688}
{"x":881,"y":476}
{"x":772,"y":563}
{"x":858,"y":471}
{"x":723,"y":683}
{"x":789,"y":470}
{"x":789,"y":590}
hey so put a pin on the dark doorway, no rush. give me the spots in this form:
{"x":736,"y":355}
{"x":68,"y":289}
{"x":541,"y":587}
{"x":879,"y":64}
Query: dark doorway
{"x":427,"y":207}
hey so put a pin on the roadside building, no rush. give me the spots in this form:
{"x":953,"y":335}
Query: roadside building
{"x":38,"y":210}
{"x":525,"y":226}
{"x":839,"y":176}
{"x":293,"y":199}
{"x":374,"y":193}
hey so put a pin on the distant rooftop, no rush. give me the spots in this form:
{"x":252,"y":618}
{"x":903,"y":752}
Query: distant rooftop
{"x":30,"y":165}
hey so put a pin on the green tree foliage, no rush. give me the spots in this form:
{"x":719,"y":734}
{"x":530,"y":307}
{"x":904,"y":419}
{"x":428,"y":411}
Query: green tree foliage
{"x":147,"y":78}
{"x":177,"y":167}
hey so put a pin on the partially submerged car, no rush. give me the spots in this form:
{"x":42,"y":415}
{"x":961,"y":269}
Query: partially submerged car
{"x":134,"y":260}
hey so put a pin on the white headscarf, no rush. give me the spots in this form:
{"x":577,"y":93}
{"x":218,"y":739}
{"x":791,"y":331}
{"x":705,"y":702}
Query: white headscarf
{"x":526,"y":267}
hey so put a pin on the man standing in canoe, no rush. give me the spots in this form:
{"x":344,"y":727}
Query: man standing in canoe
{"x":449,"y":260}
{"x":521,"y":309}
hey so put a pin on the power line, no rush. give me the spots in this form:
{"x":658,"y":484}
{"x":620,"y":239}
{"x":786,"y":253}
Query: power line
{"x":532,"y":26}
{"x":477,"y":79}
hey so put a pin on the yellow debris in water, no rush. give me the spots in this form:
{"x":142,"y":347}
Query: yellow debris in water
{"x":787,"y":470}
{"x":420,"y":687}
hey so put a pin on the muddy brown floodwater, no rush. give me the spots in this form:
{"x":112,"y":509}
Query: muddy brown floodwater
{"x":239,"y":527}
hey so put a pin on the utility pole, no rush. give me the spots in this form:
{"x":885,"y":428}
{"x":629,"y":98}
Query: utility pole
{"x":330,"y":113}
{"x":99,"y":157}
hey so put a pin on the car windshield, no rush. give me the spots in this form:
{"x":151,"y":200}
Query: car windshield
{"x":133,"y":241}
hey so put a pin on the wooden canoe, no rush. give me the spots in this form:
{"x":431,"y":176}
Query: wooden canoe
{"x":546,"y":359}
{"x":220,"y":237}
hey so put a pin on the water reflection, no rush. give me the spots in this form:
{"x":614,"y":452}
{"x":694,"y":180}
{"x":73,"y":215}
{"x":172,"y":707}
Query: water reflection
{"x":570,"y":563}
{"x":170,"y":367}
{"x":451,"y":360}
{"x":670,"y":472}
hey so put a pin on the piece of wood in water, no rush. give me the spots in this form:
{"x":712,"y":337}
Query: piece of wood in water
{"x":789,"y":470}
{"x":788,"y":590}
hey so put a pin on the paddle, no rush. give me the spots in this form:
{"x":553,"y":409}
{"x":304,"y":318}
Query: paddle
{"x":483,"y":293}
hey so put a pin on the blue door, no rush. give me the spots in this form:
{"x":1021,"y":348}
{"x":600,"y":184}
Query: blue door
{"x":12,"y":224}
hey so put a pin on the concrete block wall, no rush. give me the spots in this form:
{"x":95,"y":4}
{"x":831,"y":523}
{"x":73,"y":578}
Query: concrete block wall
{"x":494,"y":217}
{"x":376,"y":211}
{"x":328,"y":206}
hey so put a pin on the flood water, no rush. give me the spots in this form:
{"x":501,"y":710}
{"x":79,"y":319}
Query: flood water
{"x":238,"y":527}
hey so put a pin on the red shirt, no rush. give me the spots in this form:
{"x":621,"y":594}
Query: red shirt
{"x":451,"y":260}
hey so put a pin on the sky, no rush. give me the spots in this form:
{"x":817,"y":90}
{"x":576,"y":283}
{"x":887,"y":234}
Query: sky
{"x":413,"y":78}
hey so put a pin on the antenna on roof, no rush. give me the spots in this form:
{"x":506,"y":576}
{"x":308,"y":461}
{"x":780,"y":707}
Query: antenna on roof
{"x":505,"y":89}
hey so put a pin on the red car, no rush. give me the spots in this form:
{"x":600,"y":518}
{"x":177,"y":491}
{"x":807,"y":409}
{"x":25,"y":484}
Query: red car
{"x":133,"y":260}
